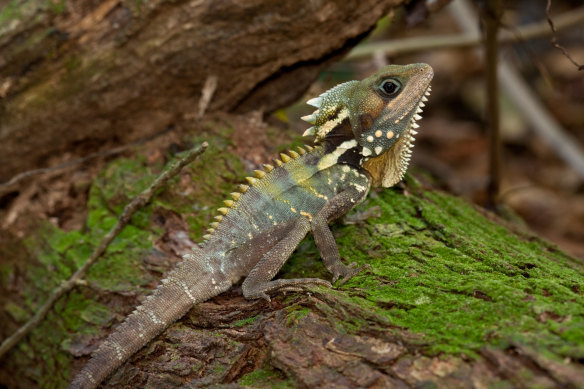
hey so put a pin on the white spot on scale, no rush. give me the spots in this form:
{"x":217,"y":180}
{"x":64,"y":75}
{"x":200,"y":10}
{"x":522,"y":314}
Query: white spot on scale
{"x":90,"y":376}
{"x":185,"y":288}
{"x":378,"y":150}
{"x":369,"y":138}
{"x":346,"y":169}
{"x":118,"y":350}
{"x":378,"y":133}
{"x":152,"y":316}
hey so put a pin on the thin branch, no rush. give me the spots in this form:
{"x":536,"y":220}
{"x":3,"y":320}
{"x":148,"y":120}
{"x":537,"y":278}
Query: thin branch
{"x":555,"y":37}
{"x":469,"y":39}
{"x":136,"y":203}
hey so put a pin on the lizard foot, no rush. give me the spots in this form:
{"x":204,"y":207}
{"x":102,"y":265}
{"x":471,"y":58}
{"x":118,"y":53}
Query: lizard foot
{"x":360,"y":216}
{"x":346,"y":272}
{"x":271,"y":287}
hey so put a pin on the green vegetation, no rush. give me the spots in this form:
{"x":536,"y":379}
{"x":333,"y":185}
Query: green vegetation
{"x":265,"y":378}
{"x":244,"y":322}
{"x":10,"y":11}
{"x":441,"y":269}
{"x":122,"y":269}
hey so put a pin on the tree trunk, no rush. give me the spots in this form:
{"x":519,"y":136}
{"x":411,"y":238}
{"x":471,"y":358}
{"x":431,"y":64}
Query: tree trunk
{"x":455,"y":297}
{"x":82,"y":75}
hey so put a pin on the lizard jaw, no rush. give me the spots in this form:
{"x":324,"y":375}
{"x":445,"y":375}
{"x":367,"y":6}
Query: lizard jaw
{"x":389,"y":167}
{"x":406,"y":150}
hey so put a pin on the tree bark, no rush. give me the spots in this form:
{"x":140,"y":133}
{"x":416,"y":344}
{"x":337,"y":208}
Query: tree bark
{"x":81,"y":75}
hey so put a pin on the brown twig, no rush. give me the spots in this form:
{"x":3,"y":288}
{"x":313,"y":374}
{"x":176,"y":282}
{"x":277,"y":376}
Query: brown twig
{"x":5,"y":186}
{"x":555,"y":37}
{"x":136,"y":203}
{"x":490,"y":18}
{"x":468,"y":39}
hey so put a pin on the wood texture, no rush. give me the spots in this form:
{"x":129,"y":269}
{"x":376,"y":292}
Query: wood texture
{"x":100,"y":73}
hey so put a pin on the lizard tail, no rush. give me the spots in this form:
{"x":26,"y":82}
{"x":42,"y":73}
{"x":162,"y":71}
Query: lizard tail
{"x":191,"y":282}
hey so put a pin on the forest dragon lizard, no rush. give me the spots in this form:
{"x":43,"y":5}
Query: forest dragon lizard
{"x":364,"y":132}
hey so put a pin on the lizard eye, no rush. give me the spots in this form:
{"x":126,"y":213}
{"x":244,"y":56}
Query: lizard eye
{"x":389,"y":87}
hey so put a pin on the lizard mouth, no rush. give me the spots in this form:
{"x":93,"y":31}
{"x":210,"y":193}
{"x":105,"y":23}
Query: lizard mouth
{"x":410,"y":133}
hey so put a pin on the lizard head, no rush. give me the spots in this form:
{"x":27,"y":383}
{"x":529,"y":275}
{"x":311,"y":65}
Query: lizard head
{"x":382,"y":110}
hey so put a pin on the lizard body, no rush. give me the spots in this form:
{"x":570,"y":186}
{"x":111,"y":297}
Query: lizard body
{"x":364,"y":132}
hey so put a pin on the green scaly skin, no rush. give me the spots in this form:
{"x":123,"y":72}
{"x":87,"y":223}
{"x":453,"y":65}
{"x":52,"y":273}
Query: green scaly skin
{"x":364,"y":131}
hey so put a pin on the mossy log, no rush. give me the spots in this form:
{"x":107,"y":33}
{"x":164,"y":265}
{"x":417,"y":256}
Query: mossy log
{"x":455,"y":296}
{"x":79,"y":76}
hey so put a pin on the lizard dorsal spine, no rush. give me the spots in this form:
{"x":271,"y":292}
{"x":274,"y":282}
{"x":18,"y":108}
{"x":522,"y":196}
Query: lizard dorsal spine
{"x":253,"y":181}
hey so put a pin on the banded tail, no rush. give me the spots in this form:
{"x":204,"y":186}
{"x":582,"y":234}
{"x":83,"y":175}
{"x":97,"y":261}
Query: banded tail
{"x":191,"y":282}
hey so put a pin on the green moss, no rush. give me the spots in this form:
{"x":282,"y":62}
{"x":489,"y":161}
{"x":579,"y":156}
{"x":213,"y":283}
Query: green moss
{"x":295,"y":313}
{"x":72,"y":62}
{"x":441,"y":269}
{"x":10,"y":11}
{"x":207,"y":187}
{"x":245,"y":322}
{"x":16,"y":311}
{"x":138,"y":5}
{"x":266,"y":378}
{"x":57,"y":7}
{"x":306,"y":263}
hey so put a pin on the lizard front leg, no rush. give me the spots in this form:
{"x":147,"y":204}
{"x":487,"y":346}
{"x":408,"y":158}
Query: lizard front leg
{"x":258,"y":283}
{"x":323,"y":236}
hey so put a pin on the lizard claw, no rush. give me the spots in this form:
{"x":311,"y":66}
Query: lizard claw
{"x":360,"y":216}
{"x":347,"y":272}
{"x":276,"y":286}
{"x":265,"y":296}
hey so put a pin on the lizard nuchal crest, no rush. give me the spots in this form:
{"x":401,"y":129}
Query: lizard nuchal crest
{"x":364,"y":132}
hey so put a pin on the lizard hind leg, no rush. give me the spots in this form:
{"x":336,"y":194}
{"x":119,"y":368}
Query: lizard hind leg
{"x":259,"y":283}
